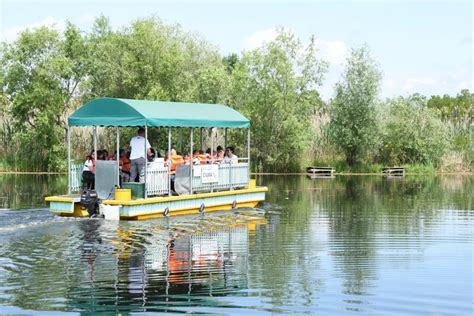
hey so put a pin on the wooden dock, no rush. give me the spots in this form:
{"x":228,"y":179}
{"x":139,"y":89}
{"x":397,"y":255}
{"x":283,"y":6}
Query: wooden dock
{"x":321,"y":172}
{"x":394,"y":171}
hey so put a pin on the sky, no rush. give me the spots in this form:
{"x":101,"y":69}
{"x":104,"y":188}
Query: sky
{"x":421,"y":46}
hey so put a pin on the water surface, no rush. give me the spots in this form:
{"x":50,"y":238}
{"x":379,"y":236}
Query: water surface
{"x":351,"y":245}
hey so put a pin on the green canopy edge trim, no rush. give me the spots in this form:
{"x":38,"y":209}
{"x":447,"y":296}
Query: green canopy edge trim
{"x":126,"y":112}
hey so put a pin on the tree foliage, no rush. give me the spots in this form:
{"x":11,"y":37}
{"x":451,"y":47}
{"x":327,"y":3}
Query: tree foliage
{"x":353,"y":125}
{"x":275,"y":87}
{"x":458,"y":109}
{"x":153,"y":60}
{"x":42,"y":72}
{"x":46,"y":74}
{"x":412,"y":133}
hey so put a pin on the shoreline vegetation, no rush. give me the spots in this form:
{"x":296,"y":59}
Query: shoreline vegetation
{"x":436,"y":173}
{"x":46,"y":75}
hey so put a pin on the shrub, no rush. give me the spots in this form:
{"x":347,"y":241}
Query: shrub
{"x":412,"y":133}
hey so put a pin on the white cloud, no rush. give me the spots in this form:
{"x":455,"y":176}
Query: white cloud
{"x":412,"y":85}
{"x":11,"y":34}
{"x":466,"y":84}
{"x":85,"y":20}
{"x":259,"y":38}
{"x":427,"y":85}
{"x":335,"y":52}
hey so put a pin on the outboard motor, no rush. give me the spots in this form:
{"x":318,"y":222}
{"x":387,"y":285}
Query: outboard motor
{"x":90,"y":201}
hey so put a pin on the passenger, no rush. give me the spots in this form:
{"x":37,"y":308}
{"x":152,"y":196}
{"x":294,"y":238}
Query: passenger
{"x":137,"y":155}
{"x":176,"y":160}
{"x":88,"y":172}
{"x":125,"y":165}
{"x":152,"y":157}
{"x":196,"y":160}
{"x":100,"y":155}
{"x":187,"y":160}
{"x":112,"y":157}
{"x":105,"y":154}
{"x":202,"y":157}
{"x":208,"y":156}
{"x":219,"y":154}
{"x":230,"y":157}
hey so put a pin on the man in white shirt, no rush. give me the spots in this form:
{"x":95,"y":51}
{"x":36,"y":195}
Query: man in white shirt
{"x":229,"y":155}
{"x":137,"y":155}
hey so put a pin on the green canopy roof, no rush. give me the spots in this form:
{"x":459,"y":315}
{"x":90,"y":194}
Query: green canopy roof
{"x":125,"y":112}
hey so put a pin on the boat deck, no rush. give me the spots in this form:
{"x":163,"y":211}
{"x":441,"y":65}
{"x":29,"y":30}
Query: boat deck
{"x":68,"y":205}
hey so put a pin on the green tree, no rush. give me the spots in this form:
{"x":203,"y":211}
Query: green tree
{"x":457,"y":113}
{"x":458,"y":110}
{"x":412,"y":133}
{"x":353,"y":124}
{"x":275,"y":86}
{"x":42,"y":74}
{"x":153,"y":60}
{"x":230,"y":61}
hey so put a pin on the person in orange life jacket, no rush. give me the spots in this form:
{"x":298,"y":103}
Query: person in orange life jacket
{"x":88,"y":172}
{"x":176,"y":160}
{"x":199,"y":157}
{"x":137,"y":155}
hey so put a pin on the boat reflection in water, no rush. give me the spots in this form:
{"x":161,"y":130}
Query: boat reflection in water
{"x":168,"y":263}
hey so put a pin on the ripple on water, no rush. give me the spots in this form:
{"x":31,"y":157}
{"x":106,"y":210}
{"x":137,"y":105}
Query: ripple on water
{"x":349,"y":245}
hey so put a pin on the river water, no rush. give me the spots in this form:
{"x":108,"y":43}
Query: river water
{"x":351,"y":245}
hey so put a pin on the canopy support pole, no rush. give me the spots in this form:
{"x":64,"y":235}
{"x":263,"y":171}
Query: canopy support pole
{"x":95,"y":143}
{"x":146,"y":158}
{"x":180,"y":141}
{"x":117,"y":156}
{"x":212,"y":152}
{"x":68,"y":136}
{"x":248,"y":153}
{"x":169,"y":161}
{"x":212,"y":145}
{"x":201,"y":139}
{"x":225,"y":138}
{"x":191,"y":161}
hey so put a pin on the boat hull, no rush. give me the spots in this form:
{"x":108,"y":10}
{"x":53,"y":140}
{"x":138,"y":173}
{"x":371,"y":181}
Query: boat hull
{"x":165,"y":206}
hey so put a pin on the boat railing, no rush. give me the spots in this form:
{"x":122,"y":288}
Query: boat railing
{"x":157,"y":182}
{"x":229,"y":176}
{"x":226,"y":176}
{"x":75,"y":176}
{"x":205,"y":178}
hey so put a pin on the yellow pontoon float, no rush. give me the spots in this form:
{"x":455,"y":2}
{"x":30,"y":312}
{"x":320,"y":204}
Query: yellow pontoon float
{"x":201,"y":188}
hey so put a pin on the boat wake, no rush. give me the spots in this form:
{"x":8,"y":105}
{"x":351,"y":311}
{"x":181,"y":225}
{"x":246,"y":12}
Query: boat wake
{"x":14,"y":220}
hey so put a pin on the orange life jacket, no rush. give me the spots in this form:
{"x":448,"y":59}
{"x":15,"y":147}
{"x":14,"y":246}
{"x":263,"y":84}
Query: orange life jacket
{"x":203,"y":158}
{"x":176,"y":160}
